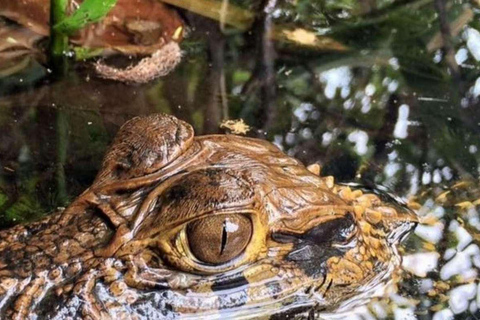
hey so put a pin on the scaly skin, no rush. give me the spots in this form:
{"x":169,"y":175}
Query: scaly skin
{"x":219,"y":226}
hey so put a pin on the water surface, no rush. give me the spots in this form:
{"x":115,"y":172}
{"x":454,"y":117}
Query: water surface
{"x":379,"y":95}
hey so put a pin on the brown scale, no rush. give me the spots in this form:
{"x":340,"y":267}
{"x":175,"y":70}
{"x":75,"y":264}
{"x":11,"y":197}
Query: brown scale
{"x":179,"y":225}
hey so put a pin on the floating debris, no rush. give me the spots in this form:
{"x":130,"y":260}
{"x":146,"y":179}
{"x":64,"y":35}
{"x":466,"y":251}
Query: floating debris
{"x":236,"y":126}
{"x":307,"y":38}
{"x":157,"y":65}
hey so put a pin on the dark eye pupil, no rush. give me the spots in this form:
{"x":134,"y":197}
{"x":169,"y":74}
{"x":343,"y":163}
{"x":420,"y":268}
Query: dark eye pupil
{"x":219,"y":238}
{"x":224,"y":237}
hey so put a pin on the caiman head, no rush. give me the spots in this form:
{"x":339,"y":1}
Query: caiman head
{"x":222,"y":226}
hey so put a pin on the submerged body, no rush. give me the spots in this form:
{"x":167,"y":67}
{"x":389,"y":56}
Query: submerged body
{"x":219,"y":226}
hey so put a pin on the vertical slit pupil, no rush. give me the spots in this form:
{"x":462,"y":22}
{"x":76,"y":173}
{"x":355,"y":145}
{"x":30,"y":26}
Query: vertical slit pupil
{"x":224,"y":237}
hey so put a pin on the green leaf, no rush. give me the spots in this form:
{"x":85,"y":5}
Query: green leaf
{"x":86,"y":53}
{"x":89,"y":11}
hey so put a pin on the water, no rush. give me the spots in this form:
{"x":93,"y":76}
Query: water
{"x":362,"y":88}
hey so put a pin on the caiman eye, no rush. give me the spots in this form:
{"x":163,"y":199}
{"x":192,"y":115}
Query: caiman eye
{"x":220,"y":238}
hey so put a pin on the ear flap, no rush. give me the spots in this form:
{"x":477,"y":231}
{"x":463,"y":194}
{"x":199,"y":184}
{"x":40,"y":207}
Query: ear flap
{"x":144,"y":145}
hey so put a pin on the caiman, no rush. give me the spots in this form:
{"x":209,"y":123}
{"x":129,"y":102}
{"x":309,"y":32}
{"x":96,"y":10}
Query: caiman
{"x":215,"y":226}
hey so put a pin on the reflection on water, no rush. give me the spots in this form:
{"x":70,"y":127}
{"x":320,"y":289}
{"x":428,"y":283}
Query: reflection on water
{"x":388,"y":99}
